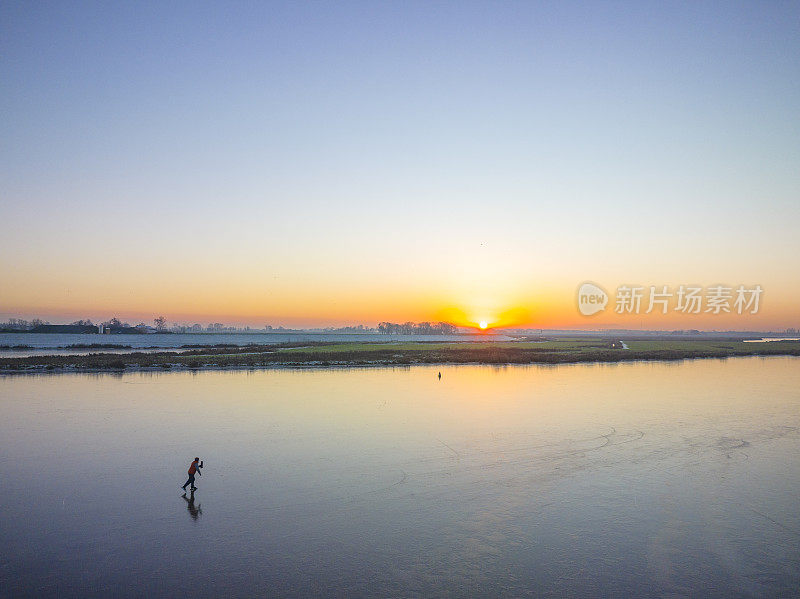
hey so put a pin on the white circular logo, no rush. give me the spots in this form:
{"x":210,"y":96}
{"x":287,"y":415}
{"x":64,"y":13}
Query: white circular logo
{"x":591,"y":299}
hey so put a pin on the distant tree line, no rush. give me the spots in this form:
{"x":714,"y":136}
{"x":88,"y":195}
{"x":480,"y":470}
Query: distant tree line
{"x":37,"y":325}
{"x":354,"y":329}
{"x":114,"y":325}
{"x":18,"y":324}
{"x":419,"y":328}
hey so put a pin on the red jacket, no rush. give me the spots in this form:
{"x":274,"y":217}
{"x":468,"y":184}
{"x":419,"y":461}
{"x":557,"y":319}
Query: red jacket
{"x":193,"y":467}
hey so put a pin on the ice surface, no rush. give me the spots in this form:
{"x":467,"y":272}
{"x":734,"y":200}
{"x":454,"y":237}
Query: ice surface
{"x":644,"y":479}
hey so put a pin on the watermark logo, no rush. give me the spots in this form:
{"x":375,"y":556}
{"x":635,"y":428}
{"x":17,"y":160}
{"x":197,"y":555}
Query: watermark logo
{"x":591,"y":299}
{"x":687,"y":299}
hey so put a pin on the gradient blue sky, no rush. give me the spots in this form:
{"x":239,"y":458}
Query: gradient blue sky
{"x":321,"y":163}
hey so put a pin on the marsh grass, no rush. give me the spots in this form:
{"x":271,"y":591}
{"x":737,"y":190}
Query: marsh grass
{"x":357,"y":354}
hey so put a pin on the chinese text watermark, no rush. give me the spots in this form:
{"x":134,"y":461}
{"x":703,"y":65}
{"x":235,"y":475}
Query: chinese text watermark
{"x":686,"y":299}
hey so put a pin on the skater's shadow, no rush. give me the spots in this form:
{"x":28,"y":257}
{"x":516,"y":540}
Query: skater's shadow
{"x":194,"y":510}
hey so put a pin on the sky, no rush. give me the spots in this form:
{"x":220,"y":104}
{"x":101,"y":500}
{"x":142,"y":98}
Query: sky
{"x":315,"y":164}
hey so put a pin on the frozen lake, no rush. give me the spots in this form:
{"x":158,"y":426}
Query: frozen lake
{"x":645,"y":479}
{"x":45,"y":344}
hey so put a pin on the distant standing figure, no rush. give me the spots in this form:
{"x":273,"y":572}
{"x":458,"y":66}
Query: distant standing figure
{"x":194,"y":468}
{"x":440,"y":376}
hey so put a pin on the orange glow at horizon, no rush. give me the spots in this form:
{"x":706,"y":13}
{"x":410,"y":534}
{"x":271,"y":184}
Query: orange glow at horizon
{"x":253,"y":303}
{"x":484,"y":318}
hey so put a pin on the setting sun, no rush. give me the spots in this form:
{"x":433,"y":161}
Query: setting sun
{"x":457,"y":269}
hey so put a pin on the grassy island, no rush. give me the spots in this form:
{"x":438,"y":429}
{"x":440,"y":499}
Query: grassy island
{"x":322,"y":354}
